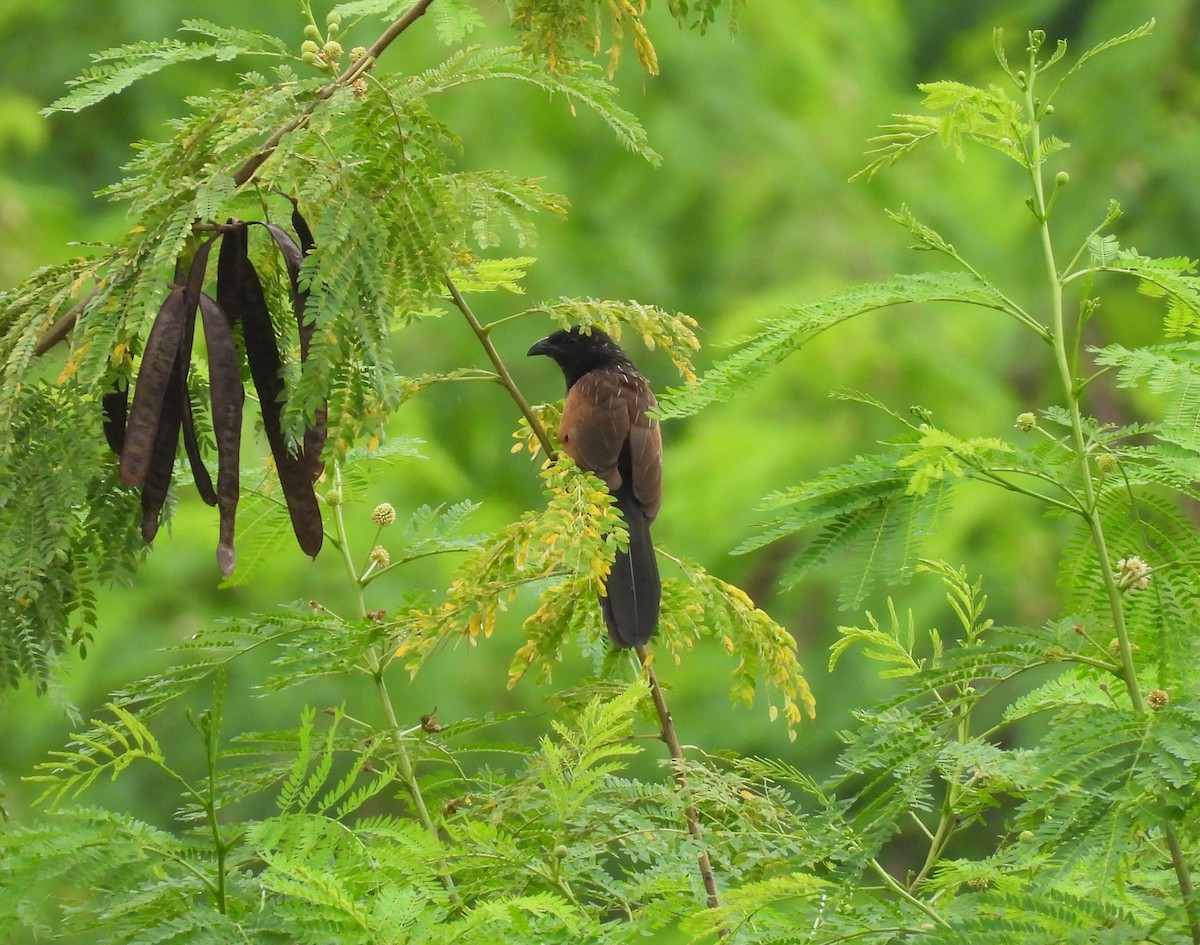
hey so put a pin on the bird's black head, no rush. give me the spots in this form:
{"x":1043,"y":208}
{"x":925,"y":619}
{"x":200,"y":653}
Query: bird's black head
{"x":577,"y":352}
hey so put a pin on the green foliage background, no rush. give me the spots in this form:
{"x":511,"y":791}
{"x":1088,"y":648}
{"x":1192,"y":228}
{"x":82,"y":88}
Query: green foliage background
{"x":750,"y":210}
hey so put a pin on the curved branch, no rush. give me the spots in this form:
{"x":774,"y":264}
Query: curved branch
{"x":244,"y":174}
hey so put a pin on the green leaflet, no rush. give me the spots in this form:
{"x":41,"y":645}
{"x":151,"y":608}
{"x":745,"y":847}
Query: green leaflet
{"x":114,"y":70}
{"x":789,"y":332}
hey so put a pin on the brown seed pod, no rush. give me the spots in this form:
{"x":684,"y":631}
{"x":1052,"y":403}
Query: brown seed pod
{"x":240,"y":295}
{"x":156,"y":481}
{"x":115,"y":405}
{"x":191,"y":299}
{"x":293,"y":257}
{"x":154,"y":380}
{"x":228,"y":396}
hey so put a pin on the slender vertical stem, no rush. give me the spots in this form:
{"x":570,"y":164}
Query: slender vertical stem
{"x":1095,"y":523}
{"x":1184,"y":878}
{"x":409,"y":777}
{"x":671,"y":738}
{"x":506,"y":378}
{"x":407,"y":773}
{"x":219,"y":845}
{"x":1062,"y":358}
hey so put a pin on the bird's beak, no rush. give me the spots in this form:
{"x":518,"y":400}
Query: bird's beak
{"x":539,"y":347}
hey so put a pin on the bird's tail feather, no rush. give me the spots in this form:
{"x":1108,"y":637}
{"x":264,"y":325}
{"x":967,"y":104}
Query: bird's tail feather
{"x":634,"y":590}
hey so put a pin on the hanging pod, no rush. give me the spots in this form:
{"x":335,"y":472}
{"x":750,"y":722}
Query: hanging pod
{"x":146,"y":433}
{"x":240,"y":293}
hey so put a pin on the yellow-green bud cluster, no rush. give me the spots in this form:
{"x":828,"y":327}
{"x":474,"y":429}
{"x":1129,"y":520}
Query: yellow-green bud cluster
{"x":384,"y":514}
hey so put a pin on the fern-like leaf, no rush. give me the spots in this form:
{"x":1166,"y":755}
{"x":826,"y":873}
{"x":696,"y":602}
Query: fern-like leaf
{"x":787,"y":334}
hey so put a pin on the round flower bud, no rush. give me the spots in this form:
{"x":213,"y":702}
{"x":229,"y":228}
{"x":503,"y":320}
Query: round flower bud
{"x":1062,"y":178}
{"x":1026,"y":422}
{"x":1106,"y":462}
{"x":332,"y":50}
{"x":380,"y":557}
{"x":357,"y":53}
{"x":309,"y":46}
{"x":1158,"y":699}
{"x":309,"y":57}
{"x":1133,"y":573}
{"x":334,"y":497}
{"x":384,"y":514}
{"x":311,"y":32}
{"x":561,"y":852}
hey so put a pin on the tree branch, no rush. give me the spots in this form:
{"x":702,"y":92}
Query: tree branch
{"x":675,"y":750}
{"x":501,"y":369}
{"x":244,"y":174}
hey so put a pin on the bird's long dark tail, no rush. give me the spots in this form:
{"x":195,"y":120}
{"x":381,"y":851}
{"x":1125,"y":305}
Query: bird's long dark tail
{"x":634,"y":590}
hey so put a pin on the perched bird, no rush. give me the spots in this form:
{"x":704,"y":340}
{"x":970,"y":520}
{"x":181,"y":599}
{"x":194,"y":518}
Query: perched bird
{"x":605,"y":429}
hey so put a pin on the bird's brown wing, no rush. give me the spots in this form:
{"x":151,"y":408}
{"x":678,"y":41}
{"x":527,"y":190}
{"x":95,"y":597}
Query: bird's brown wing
{"x":645,"y":454}
{"x":605,"y":412}
{"x":595,"y":423}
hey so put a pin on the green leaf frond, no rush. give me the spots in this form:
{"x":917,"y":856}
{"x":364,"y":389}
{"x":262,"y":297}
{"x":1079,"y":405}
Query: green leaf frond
{"x":788,"y":333}
{"x":1148,"y":525}
{"x":1105,"y":776}
{"x":895,"y":646}
{"x":865,"y":507}
{"x":325,"y":880}
{"x":1172,"y":279}
{"x":1138,"y":32}
{"x":673,"y":334}
{"x":121,"y":742}
{"x":494,"y":199}
{"x":491,"y":275}
{"x":999,"y":910}
{"x":136,"y":877}
{"x":560,"y":33}
{"x":583,"y":86}
{"x":766,"y":652}
{"x":960,"y":113}
{"x":1171,"y":371}
{"x":575,"y":536}
{"x":116,"y":69}
{"x":938,"y":455}
{"x":69,"y":525}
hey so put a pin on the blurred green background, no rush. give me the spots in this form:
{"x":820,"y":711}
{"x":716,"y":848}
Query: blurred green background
{"x":750,"y":211}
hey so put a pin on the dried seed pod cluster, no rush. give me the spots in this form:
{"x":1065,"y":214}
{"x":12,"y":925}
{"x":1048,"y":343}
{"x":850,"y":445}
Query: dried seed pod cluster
{"x":146,"y":433}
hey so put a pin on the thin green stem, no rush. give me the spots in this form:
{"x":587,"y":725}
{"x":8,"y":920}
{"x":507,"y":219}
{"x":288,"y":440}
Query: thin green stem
{"x":991,"y":476}
{"x":409,"y":777}
{"x":671,"y":738}
{"x":491,"y":326}
{"x":1184,"y":878}
{"x":219,"y":846}
{"x":1095,"y":523}
{"x":506,"y":378}
{"x":898,"y":888}
{"x":407,"y":559}
{"x":343,"y":543}
{"x":378,"y":663}
{"x":1062,"y":358}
